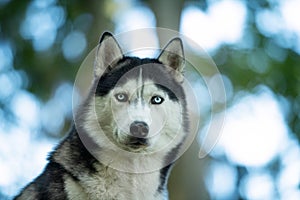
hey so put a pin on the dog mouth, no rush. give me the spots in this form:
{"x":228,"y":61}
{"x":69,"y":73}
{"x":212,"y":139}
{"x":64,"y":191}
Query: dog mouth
{"x":131,"y":143}
{"x":137,"y":143}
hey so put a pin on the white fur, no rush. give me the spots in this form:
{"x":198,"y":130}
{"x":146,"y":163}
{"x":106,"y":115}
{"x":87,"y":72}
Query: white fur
{"x":108,"y":115}
{"x":130,"y":174}
{"x":74,"y":190}
{"x":112,"y":184}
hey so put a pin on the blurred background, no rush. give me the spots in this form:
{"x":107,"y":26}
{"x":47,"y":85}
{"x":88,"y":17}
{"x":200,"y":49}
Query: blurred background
{"x":255,"y":44}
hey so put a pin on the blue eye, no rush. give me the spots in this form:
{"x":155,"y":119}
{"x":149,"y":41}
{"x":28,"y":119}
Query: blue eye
{"x":121,"y":97}
{"x":157,"y":100}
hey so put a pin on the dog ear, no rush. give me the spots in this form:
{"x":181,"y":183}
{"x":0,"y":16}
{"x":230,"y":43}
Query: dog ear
{"x":172,"y":56}
{"x":108,"y":53}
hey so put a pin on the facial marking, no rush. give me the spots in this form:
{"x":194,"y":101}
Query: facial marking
{"x":148,"y":103}
{"x":140,"y":85}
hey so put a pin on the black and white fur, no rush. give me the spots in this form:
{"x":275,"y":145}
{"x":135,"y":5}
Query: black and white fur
{"x":126,"y":134}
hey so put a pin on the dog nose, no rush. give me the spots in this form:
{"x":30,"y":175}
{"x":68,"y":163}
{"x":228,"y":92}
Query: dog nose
{"x":139,"y":129}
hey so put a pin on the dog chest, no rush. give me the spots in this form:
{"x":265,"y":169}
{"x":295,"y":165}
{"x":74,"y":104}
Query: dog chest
{"x":112,"y":184}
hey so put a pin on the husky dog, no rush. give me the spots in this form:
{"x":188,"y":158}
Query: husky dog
{"x":126,"y":134}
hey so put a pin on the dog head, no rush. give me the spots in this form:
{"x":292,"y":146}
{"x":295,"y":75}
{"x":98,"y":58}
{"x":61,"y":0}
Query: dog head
{"x":139,"y":104}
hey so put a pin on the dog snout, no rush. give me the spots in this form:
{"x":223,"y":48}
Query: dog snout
{"x":139,"y":129}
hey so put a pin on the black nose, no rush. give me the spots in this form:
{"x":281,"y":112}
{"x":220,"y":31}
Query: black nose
{"x":139,"y":129}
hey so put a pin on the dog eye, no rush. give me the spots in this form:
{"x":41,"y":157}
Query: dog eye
{"x":157,"y":100}
{"x":121,"y":97}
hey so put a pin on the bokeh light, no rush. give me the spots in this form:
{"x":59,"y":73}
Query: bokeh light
{"x":254,"y":130}
{"x":222,"y":23}
{"x":43,"y":18}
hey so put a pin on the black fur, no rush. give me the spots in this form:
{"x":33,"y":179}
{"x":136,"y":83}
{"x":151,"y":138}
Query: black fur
{"x":164,"y":175}
{"x":152,"y":69}
{"x":164,"y":172}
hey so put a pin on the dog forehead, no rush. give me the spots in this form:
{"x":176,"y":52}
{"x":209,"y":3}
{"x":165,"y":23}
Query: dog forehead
{"x":135,"y":85}
{"x":132,"y":73}
{"x":149,"y":73}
